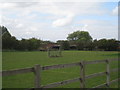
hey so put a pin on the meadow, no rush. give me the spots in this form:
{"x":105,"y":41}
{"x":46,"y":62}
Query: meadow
{"x":17,"y":60}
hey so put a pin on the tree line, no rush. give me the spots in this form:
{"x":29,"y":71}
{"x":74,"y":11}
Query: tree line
{"x":10,"y":42}
{"x":81,"y":40}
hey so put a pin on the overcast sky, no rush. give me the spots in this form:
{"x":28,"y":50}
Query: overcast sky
{"x":55,"y":20}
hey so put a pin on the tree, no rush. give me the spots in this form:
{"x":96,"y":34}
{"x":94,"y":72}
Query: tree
{"x":80,"y":38}
{"x":8,"y":41}
{"x":23,"y":45}
{"x":108,"y":45}
{"x":6,"y":38}
{"x":13,"y":43}
{"x":4,"y":31}
{"x":64,"y":44}
{"x":112,"y":45}
{"x":33,"y":44}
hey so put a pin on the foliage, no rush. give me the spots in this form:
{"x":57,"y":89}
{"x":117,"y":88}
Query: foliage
{"x":79,"y":36}
{"x":64,"y":44}
{"x":10,"y":42}
{"x":108,"y":45}
{"x":81,"y":39}
{"x":84,"y":42}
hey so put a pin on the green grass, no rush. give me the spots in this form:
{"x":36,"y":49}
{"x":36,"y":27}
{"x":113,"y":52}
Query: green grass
{"x":16,"y":60}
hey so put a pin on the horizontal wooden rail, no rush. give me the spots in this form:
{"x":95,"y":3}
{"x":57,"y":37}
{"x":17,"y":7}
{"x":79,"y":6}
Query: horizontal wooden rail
{"x":74,"y":80}
{"x":77,"y":79}
{"x":115,"y":70}
{"x":115,"y":59}
{"x":100,"y":86}
{"x":60,"y":66}
{"x":12,"y":72}
{"x":105,"y":84}
{"x":37,"y":71}
{"x":18,"y":71}
{"x":95,"y":62}
{"x":61,"y":83}
{"x":99,"y":61}
{"x":95,"y":74}
{"x":73,"y":64}
{"x":113,"y":81}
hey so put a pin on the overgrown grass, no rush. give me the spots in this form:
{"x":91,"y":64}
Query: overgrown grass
{"x":16,"y":60}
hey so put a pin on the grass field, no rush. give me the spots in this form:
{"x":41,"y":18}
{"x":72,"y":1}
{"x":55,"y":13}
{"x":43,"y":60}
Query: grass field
{"x":16,"y":60}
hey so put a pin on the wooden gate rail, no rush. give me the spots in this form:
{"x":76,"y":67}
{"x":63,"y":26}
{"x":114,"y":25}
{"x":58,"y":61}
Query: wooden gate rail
{"x":74,"y":64}
{"x":61,"y":83}
{"x":100,"y":61}
{"x":105,"y":84}
{"x":17,"y":71}
{"x":60,"y":66}
{"x":76,"y":79}
{"x":95,"y":74}
{"x":37,"y":71}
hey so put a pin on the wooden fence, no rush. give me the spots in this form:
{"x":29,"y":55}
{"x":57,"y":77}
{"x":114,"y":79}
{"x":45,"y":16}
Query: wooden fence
{"x":37,"y":71}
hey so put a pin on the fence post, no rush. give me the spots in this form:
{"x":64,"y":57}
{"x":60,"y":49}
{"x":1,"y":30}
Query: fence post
{"x":48,"y":52}
{"x":82,"y":74}
{"x":108,"y":73}
{"x":37,"y":71}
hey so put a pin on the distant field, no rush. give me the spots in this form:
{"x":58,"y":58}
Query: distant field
{"x":16,"y":60}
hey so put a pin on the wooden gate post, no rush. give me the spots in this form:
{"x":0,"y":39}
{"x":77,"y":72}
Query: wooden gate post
{"x":37,"y":71}
{"x":60,"y":51}
{"x":82,"y":74}
{"x":48,"y":52}
{"x":107,"y":73}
